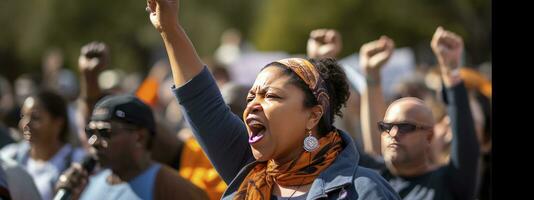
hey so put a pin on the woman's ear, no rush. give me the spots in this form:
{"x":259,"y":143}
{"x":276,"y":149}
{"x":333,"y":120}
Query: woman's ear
{"x":315,"y":116}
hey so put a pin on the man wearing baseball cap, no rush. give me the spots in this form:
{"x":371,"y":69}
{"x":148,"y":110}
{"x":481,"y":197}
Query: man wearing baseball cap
{"x":120,"y":134}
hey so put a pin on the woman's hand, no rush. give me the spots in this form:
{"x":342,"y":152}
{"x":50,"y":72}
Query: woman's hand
{"x":185,"y":63}
{"x":163,"y":13}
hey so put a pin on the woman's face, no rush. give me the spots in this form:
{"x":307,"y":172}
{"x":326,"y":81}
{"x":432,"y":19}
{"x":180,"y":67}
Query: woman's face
{"x":36,"y":123}
{"x":276,"y":117}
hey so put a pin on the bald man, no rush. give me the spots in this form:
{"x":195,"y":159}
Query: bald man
{"x":404,"y":135}
{"x":407,"y":129}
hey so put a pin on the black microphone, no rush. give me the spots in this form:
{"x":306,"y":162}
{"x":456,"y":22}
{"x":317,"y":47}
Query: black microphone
{"x":88,"y":164}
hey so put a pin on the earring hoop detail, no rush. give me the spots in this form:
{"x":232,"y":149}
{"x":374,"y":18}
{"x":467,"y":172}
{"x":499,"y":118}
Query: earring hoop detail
{"x":310,"y":142}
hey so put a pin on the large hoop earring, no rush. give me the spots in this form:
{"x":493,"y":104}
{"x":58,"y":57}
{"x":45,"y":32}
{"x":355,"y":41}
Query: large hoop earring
{"x":310,"y":142}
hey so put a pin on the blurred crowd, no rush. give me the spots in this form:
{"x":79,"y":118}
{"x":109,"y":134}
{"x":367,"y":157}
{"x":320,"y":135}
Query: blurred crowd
{"x":45,"y":122}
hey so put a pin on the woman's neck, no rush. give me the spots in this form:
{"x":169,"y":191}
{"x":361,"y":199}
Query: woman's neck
{"x":289,"y":157}
{"x":291,"y":191}
{"x":46,"y":151}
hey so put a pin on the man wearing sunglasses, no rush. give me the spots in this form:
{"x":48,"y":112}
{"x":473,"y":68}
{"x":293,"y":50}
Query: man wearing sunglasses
{"x":403,"y":138}
{"x":120,"y":134}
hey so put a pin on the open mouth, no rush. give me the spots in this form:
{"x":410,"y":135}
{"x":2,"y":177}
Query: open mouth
{"x":257,"y":131}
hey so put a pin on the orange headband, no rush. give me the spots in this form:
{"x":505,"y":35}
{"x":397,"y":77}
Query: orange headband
{"x":309,"y":74}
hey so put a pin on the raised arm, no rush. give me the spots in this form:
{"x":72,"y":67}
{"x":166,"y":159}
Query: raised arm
{"x":222,"y":135}
{"x":185,"y":63}
{"x":373,"y":56}
{"x":94,"y":58}
{"x":448,"y":47}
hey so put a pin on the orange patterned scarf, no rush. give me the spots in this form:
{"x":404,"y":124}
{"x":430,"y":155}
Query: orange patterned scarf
{"x":302,"y":171}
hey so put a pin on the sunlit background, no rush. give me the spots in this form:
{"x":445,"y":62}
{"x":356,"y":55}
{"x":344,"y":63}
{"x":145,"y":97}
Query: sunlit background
{"x":31,"y":28}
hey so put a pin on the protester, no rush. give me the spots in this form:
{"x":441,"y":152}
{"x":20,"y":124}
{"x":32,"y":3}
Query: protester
{"x":291,"y":100}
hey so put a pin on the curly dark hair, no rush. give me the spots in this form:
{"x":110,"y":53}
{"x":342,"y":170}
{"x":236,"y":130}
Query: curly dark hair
{"x":337,"y":86}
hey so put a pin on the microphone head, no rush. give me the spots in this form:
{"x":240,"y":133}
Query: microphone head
{"x":88,"y":163}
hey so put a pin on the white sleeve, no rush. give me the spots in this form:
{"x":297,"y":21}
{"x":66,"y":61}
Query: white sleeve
{"x":20,"y":183}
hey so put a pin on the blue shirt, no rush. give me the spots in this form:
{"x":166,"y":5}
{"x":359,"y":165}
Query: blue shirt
{"x":140,"y":187}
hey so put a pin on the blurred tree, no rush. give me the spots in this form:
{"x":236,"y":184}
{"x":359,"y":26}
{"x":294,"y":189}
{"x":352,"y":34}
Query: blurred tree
{"x":33,"y":26}
{"x":30,"y":27}
{"x":286,"y":24}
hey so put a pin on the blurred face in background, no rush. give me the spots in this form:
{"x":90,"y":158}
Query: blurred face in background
{"x":24,"y":87}
{"x":480,"y":125}
{"x":52,"y":61}
{"x":37,"y":124}
{"x":441,"y":142}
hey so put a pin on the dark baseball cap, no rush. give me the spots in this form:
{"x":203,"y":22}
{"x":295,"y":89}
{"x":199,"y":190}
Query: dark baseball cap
{"x":126,"y":108}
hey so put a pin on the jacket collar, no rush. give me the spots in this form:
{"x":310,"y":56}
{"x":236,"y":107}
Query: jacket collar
{"x":340,"y":173}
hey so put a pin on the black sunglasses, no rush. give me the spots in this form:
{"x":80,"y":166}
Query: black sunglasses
{"x":104,"y":132}
{"x":403,"y":127}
